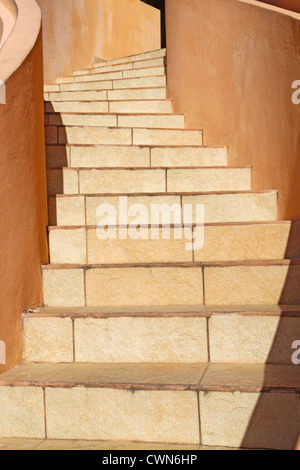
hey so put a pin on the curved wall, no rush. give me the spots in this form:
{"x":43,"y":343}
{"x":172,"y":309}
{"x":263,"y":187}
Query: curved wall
{"x":293,"y":5}
{"x":8,"y":16}
{"x":231,"y":65}
{"x":23,"y":203}
{"x":77,"y":31}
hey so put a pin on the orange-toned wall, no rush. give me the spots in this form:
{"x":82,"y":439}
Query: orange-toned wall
{"x":23,"y":209}
{"x":231,"y":65}
{"x":77,"y":31}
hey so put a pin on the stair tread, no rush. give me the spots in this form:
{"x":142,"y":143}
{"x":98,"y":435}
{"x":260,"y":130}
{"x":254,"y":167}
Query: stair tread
{"x":75,"y":444}
{"x":171,"y":311}
{"x":249,"y":378}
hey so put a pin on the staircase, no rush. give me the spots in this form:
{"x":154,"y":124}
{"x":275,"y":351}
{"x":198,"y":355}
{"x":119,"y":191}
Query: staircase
{"x":140,"y":338}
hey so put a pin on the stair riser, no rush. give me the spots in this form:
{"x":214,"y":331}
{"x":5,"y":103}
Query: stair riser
{"x":142,"y":82}
{"x":121,"y":136}
{"x":221,"y":243}
{"x":255,"y":339}
{"x":110,"y":95}
{"x":118,"y":75}
{"x":140,"y":64}
{"x":93,"y":181}
{"x":139,"y":107}
{"x":71,"y":211}
{"x":111,"y":120}
{"x":141,"y":286}
{"x":61,"y":156}
{"x":60,"y":413}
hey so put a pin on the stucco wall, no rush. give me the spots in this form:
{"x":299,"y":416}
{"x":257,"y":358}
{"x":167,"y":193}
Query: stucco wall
{"x":77,"y":31}
{"x":231,"y":65}
{"x":23,"y":208}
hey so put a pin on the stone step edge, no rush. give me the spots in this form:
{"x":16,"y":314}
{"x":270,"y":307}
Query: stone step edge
{"x":136,"y":386}
{"x":209,"y":224}
{"x":106,"y":79}
{"x":203,"y":265}
{"x":110,"y":63}
{"x":94,"y":71}
{"x":147,"y":168}
{"x":205,"y":311}
{"x":183,"y":194}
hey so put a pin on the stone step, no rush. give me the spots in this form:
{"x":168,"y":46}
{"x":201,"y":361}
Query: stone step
{"x":219,"y":243}
{"x":137,"y":94}
{"x":75,"y":444}
{"x":123,"y":83}
{"x":239,"y":283}
{"x":163,"y":335}
{"x":61,"y":155}
{"x":121,"y":136}
{"x":118,"y":75}
{"x":77,"y":107}
{"x":219,"y":208}
{"x":108,"y":402}
{"x":140,"y":106}
{"x":148,"y":180}
{"x":142,"y":82}
{"x":158,"y":93}
{"x":149,"y":121}
{"x":113,"y":107}
{"x":160,"y":53}
{"x":139,"y":65}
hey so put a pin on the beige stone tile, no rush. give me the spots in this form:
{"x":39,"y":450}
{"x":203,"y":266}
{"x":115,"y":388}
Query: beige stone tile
{"x":159,"y":375}
{"x":253,"y":339}
{"x":144,"y":286}
{"x":156,"y":54}
{"x":50,"y":88}
{"x":77,"y":107}
{"x":29,"y":372}
{"x":161,"y":122}
{"x":63,"y":287}
{"x":70,"y":178}
{"x":242,"y":339}
{"x":22,"y":412}
{"x":92,"y":204}
{"x":57,"y":156}
{"x":103,"y":69}
{"x":253,"y":376}
{"x":20,"y":444}
{"x":48,"y":339}
{"x":78,"y":96}
{"x":166,"y":137}
{"x":156,"y":416}
{"x":148,"y":72}
{"x":194,"y":156}
{"x":137,"y":94}
{"x":109,"y":445}
{"x":209,"y":179}
{"x":95,"y":136}
{"x":88,"y":86}
{"x":94,"y":77}
{"x":243,"y":207}
{"x":149,"y":63}
{"x":115,"y":250}
{"x":248,"y":285}
{"x":249,"y":419}
{"x":110,"y":156}
{"x":70,"y":211}
{"x":136,"y":340}
{"x":122,"y":181}
{"x":244,"y":242}
{"x":162,"y":107}
{"x":84,"y":120}
{"x":143,"y":82}
{"x":68,"y":246}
